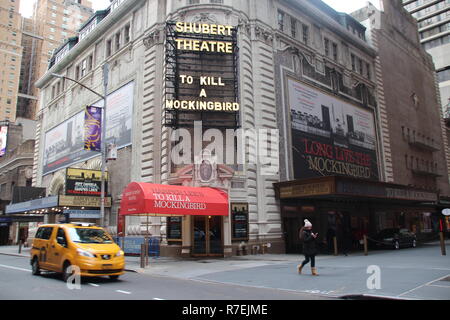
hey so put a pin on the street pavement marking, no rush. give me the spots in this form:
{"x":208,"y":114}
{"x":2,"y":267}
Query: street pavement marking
{"x":121,"y":291}
{"x":94,"y":285}
{"x":15,"y":268}
{"x":424,"y":285}
{"x":158,"y":299}
{"x":435,"y":285}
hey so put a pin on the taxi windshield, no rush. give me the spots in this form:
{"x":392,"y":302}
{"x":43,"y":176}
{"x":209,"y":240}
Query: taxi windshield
{"x":88,"y":235}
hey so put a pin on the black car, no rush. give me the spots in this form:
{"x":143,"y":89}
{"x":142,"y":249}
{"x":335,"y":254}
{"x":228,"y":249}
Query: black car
{"x":394,"y":238}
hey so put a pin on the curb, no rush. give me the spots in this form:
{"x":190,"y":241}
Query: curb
{"x":372,"y":297}
{"x":14,"y":255}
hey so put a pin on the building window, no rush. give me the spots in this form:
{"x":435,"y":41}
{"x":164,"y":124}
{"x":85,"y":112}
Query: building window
{"x":353,"y":62}
{"x":305,"y":30}
{"x":293,"y":27}
{"x":127,"y":34}
{"x":108,"y":48}
{"x":83,"y":68}
{"x":327,"y":47}
{"x":335,"y":51}
{"x":280,"y":20}
{"x":360,"y":65}
{"x":193,"y":1}
{"x":216,"y":1}
{"x":117,"y":41}
{"x":369,"y":74}
{"x":77,"y":72}
{"x":90,"y":62}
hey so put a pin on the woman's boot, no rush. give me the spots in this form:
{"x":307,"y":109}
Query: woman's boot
{"x":314,"y":271}
{"x":299,"y":268}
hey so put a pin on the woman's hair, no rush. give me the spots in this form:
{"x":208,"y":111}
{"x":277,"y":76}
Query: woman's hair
{"x":300,"y":233}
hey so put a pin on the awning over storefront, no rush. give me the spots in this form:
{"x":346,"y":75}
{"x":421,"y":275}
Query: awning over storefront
{"x":168,"y":200}
{"x":335,"y":187}
{"x":55,"y":204}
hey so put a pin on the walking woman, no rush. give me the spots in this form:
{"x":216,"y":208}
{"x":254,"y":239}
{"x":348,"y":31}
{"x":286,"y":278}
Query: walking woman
{"x":309,"y":247}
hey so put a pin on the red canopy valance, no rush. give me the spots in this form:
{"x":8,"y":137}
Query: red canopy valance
{"x":166,"y":200}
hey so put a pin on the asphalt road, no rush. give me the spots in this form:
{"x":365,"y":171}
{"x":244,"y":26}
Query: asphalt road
{"x":17,"y":283}
{"x":419,"y":273}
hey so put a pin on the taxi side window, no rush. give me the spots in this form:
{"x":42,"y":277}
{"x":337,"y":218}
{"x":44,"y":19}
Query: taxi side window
{"x":44,"y":233}
{"x":39,"y":233}
{"x":61,"y":237}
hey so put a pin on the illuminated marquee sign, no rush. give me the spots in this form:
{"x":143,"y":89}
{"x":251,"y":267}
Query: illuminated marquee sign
{"x":201,"y":77}
{"x":84,"y":182}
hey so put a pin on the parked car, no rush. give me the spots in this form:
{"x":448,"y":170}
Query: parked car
{"x":394,"y":238}
{"x":56,"y":247}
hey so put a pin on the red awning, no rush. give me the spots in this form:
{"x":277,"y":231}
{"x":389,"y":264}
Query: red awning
{"x":167,"y":200}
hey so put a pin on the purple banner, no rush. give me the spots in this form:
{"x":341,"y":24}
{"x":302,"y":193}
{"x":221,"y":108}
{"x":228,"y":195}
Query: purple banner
{"x":92,"y":128}
{"x":3,"y":140}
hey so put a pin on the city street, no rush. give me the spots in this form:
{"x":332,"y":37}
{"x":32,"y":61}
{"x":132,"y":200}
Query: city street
{"x":420,"y":273}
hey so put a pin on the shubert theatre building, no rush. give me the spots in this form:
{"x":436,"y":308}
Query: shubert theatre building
{"x":233,"y":121}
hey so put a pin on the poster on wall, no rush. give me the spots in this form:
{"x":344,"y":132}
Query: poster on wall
{"x":64,"y":144}
{"x":3,"y":140}
{"x":330,"y":136}
{"x":239,"y":216}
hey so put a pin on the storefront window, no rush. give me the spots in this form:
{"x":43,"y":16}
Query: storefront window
{"x":427,"y":225}
{"x":239,"y":214}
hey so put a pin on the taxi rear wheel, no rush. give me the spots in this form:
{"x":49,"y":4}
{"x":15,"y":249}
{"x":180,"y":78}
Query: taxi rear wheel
{"x":35,"y":270}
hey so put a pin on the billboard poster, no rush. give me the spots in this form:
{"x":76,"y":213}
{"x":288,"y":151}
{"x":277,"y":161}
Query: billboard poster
{"x":92,"y":128}
{"x":64,"y":144}
{"x":3,"y":140}
{"x":330,"y":136}
{"x":84,"y":182}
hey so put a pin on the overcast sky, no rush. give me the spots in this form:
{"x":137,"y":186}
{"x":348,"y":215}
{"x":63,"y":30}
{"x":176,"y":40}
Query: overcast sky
{"x":26,"y":7}
{"x":349,"y":6}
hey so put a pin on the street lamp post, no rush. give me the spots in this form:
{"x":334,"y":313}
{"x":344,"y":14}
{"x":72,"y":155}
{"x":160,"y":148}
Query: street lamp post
{"x":103,"y":139}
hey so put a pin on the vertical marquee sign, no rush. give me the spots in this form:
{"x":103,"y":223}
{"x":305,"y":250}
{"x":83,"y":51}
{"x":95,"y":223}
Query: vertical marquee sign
{"x":201,"y":75}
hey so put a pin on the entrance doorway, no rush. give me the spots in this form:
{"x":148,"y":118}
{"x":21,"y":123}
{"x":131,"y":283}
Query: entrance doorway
{"x":207,"y":236}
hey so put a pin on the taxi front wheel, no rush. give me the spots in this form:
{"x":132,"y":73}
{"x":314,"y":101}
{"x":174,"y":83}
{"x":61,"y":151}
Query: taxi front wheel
{"x":67,"y":272}
{"x":116,"y":277}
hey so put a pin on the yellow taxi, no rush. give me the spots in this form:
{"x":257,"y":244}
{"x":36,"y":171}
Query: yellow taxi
{"x":60,"y":247}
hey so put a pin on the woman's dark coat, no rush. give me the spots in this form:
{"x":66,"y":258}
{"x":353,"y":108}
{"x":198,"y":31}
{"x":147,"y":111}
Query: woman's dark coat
{"x":309,"y":243}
